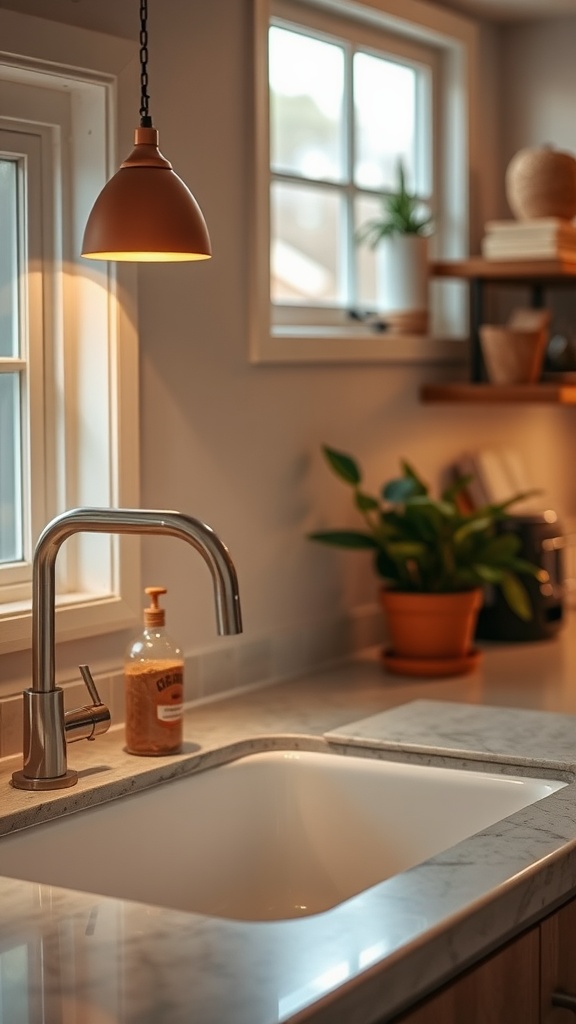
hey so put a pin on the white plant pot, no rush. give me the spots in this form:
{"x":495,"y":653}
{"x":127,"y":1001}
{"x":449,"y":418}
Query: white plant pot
{"x":402,"y":275}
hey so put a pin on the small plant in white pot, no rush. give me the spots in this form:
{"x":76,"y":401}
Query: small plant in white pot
{"x":399,"y":236}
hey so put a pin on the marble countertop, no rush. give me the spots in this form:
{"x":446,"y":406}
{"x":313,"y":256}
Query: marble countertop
{"x":72,"y":955}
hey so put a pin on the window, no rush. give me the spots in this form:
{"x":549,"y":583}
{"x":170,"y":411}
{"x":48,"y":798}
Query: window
{"x":12,"y":365}
{"x":23,"y":508}
{"x":343,"y":99}
{"x":335,"y":142}
{"x":68,"y":370}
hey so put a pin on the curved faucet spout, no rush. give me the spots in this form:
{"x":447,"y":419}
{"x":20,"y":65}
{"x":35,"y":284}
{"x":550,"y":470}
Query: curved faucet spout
{"x":131,"y":521}
{"x":45,"y":723}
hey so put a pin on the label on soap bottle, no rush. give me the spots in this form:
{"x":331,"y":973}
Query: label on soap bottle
{"x":154,"y":706}
{"x":170,"y":712}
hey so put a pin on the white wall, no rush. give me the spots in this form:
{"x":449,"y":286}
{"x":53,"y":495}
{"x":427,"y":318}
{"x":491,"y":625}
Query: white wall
{"x":539,"y":84}
{"x":238,"y":445}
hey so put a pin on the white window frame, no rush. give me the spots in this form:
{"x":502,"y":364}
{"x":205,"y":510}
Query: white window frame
{"x":89,"y":329}
{"x":25,"y":148}
{"x":456,"y":41}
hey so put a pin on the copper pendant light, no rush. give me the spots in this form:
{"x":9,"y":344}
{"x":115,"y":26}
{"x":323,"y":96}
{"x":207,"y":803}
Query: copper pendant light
{"x":146,"y":213}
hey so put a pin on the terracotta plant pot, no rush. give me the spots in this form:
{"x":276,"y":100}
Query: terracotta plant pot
{"x":431,"y":626}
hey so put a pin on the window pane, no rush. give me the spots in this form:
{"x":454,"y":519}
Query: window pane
{"x":306,"y":106}
{"x":306,"y":244}
{"x":8,"y":259}
{"x":385,"y":120}
{"x":10,"y":471}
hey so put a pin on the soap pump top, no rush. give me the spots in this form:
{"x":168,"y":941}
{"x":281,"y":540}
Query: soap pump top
{"x":154,"y":615}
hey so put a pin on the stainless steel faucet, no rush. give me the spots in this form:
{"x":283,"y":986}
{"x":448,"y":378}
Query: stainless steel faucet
{"x":47,"y":727}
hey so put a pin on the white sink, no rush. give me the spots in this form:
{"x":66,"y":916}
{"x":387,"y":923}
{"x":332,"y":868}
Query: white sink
{"x":273,"y":835}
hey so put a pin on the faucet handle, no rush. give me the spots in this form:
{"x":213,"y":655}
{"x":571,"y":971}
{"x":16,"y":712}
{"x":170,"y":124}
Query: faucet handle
{"x":90,"y":684}
{"x":88,"y":722}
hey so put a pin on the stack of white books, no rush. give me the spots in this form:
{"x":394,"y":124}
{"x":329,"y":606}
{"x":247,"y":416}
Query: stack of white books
{"x":540,"y":239}
{"x":497,"y":474}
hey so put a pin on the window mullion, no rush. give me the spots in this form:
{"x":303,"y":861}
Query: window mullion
{"x":12,"y":364}
{"x":27,"y":191}
{"x":351,"y":270}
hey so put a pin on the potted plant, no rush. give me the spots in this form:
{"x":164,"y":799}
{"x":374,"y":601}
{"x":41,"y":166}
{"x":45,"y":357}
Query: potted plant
{"x":433,"y":559}
{"x":399,"y":236}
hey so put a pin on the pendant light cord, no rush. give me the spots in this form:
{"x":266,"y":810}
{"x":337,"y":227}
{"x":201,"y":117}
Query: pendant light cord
{"x":145,"y":119}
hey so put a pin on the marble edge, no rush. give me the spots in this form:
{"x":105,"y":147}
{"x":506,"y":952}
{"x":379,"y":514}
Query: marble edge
{"x":32,"y":808}
{"x":475,"y":896}
{"x":448,"y":755}
{"x":480,"y":733}
{"x":452,"y":944}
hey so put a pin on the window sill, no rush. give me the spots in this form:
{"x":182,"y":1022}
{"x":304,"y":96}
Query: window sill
{"x":347,"y":345}
{"x":77,"y":615}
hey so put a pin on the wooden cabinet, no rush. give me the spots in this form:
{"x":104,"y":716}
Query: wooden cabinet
{"x":489,"y":993}
{"x":537,"y":275}
{"x":531,"y":980}
{"x":558,"y":966}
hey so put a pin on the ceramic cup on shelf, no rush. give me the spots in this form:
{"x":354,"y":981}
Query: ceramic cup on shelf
{"x":511,"y":355}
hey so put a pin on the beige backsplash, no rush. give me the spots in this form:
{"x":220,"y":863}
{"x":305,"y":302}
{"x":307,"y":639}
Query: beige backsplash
{"x":235,"y":664}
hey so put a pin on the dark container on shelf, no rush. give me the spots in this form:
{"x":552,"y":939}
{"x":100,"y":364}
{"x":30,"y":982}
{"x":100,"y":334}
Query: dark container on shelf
{"x":542,"y":542}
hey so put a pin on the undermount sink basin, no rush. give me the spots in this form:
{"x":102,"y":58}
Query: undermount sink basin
{"x":270,"y":836}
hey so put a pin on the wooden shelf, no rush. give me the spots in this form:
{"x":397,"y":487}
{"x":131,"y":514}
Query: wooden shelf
{"x":556,"y":393}
{"x":506,"y":270}
{"x":534,"y":274}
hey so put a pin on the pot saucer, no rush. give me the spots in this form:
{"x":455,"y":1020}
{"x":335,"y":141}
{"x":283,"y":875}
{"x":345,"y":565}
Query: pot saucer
{"x":430,"y":666}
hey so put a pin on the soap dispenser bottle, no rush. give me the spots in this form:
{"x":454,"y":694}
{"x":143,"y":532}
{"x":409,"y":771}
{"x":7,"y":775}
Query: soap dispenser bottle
{"x":154,"y":686}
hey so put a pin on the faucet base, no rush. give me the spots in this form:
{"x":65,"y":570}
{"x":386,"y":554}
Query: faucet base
{"x":21,"y":781}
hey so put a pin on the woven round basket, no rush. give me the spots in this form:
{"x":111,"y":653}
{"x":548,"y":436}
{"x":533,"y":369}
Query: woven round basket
{"x":541,"y":182}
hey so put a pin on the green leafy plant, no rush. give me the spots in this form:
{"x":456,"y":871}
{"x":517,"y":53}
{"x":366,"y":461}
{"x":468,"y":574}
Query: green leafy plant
{"x":430,"y":545}
{"x":401,"y":215}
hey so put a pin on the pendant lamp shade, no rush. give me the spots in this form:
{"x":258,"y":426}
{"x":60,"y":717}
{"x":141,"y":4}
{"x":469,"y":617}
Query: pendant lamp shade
{"x":146,"y":213}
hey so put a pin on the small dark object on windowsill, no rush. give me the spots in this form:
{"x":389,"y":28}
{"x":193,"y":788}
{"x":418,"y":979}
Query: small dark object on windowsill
{"x":369,"y":318}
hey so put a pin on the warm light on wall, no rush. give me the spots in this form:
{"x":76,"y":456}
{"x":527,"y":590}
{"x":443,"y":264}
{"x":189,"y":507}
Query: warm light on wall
{"x":146,"y":213}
